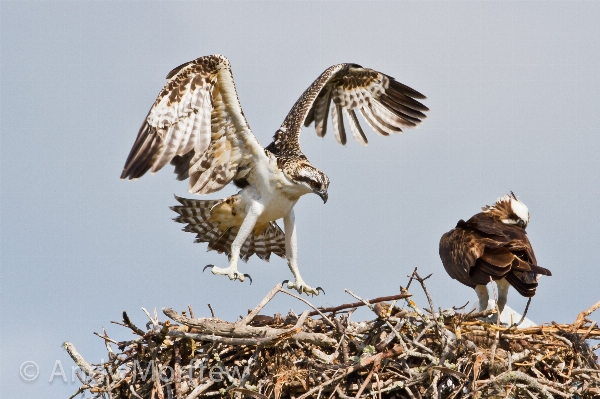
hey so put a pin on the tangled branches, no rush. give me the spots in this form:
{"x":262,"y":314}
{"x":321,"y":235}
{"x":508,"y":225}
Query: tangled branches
{"x":405,"y":352}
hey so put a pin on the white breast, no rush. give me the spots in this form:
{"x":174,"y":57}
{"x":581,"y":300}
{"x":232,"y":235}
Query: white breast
{"x":273,"y":189}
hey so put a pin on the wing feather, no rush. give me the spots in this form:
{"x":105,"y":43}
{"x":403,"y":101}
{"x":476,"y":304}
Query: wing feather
{"x":338,"y":124}
{"x":196,"y":121}
{"x":149,"y":152}
{"x":310,"y":117}
{"x":389,"y":128}
{"x":171,"y":144}
{"x":195,"y":135}
{"x":387,"y":106}
{"x":188,"y":134}
{"x":370,"y":119}
{"x":204,"y":128}
{"x":407,"y":91}
{"x":389,"y":117}
{"x":357,"y":131}
{"x":402,"y":110}
{"x":321,"y":111}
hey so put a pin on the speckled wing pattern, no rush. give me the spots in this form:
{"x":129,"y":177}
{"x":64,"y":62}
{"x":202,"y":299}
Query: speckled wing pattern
{"x":385,"y":104}
{"x":197,"y":124}
{"x":482,"y":247}
{"x":196,"y":214}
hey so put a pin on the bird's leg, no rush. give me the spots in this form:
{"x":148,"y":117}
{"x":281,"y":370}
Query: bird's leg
{"x":503,"y":286}
{"x":291,"y":252}
{"x":484,"y":297}
{"x":255,"y":210}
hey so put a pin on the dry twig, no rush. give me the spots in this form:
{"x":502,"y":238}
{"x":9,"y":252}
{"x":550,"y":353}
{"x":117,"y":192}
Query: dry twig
{"x":410,"y":354}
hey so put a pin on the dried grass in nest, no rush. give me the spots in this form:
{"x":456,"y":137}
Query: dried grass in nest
{"x":403,"y":353}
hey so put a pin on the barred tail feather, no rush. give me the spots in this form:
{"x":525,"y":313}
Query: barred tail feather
{"x":195,"y":214}
{"x":274,"y":239}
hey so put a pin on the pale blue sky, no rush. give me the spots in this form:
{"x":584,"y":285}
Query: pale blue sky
{"x":514,"y":92}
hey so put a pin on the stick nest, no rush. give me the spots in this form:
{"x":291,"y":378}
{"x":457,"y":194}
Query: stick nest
{"x":405,"y":352}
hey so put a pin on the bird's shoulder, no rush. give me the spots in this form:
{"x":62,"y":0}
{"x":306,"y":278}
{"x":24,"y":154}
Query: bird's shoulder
{"x":484,"y":224}
{"x":459,"y":242}
{"x":483,"y":233}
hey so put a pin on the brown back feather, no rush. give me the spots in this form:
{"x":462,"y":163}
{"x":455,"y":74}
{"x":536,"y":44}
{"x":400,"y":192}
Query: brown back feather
{"x":484,"y":247}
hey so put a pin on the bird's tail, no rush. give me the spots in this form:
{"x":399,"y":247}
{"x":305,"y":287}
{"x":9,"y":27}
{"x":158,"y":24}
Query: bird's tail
{"x":524,"y":276}
{"x":524,"y":282}
{"x":196,"y":214}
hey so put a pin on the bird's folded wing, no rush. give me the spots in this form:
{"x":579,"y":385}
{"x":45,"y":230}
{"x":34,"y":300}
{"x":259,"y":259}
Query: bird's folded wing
{"x":498,"y":257}
{"x":484,"y":224}
{"x":345,"y":89}
{"x":522,"y":248}
{"x":197,"y":124}
{"x":459,"y":252}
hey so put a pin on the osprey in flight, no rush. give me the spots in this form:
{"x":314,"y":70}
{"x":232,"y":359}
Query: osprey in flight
{"x":493,"y":244}
{"x":197,"y":125}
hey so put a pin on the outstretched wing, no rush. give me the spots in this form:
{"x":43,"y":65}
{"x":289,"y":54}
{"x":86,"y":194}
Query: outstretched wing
{"x":385,"y":104}
{"x":197,"y":124}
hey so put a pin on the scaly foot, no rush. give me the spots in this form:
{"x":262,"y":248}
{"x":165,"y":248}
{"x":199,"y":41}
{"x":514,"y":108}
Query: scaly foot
{"x":231,"y":272}
{"x":301,"y":287}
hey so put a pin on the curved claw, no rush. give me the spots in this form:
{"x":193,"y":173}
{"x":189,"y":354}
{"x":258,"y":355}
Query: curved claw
{"x":249,"y":278}
{"x":322,"y":290}
{"x":284,"y":282}
{"x":207,"y":267}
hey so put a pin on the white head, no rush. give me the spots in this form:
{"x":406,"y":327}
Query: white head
{"x":509,"y":210}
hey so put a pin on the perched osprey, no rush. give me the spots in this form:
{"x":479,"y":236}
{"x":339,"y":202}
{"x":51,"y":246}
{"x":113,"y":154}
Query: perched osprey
{"x":493,"y":244}
{"x":197,"y":125}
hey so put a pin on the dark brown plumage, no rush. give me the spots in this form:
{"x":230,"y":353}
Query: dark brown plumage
{"x":493,"y":244}
{"x":483,"y":247}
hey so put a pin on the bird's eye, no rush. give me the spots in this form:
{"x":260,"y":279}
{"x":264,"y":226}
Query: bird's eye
{"x":521,"y":223}
{"x":313,"y":184}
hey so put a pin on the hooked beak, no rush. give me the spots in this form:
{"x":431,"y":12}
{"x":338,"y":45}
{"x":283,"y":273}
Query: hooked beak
{"x":323,"y":195}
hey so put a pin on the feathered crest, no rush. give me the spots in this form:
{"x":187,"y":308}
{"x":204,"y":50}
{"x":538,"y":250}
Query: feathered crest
{"x":507,"y":207}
